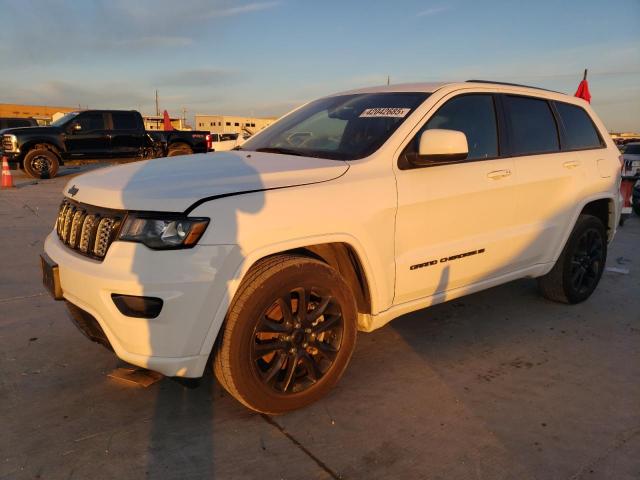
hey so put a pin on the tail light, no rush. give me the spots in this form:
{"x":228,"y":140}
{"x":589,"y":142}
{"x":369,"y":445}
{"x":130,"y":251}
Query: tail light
{"x":208,"y":139}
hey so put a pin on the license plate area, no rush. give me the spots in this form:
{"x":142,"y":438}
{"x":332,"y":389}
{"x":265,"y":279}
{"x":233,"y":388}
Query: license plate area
{"x":51,"y":276}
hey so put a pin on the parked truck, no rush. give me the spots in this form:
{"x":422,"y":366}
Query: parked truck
{"x":94,"y":134}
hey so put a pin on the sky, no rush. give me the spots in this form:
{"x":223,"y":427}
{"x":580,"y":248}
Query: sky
{"x":265,"y":57}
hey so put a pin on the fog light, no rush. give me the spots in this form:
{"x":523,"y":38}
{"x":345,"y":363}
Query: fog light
{"x":138,"y":307}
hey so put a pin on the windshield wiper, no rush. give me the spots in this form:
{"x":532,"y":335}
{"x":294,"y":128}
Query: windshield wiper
{"x":284,"y":151}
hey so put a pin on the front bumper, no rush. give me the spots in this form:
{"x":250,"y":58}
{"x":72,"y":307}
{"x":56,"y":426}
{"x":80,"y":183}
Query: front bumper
{"x":191,"y":283}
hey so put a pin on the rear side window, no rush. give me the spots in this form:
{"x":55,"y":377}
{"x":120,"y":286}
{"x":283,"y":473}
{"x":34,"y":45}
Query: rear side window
{"x":578,"y":127}
{"x":475,"y":116}
{"x":124,"y":121}
{"x":532,"y":126}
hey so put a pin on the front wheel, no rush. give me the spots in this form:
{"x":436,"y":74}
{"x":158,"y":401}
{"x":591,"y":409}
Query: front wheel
{"x":577,"y":271}
{"x":41,"y":163}
{"x":288,"y":336}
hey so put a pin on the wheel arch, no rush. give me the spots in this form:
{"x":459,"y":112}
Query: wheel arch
{"x":178,"y":142}
{"x":604,"y":210}
{"x":44,"y":143}
{"x":344,"y":254}
{"x":602,"y":206}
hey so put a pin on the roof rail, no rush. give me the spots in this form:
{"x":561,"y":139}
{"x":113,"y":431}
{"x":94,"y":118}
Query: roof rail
{"x":513,"y":85}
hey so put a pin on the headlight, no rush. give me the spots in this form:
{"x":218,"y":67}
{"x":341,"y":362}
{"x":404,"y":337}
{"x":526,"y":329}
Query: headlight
{"x":10,"y":143}
{"x":163,"y":233}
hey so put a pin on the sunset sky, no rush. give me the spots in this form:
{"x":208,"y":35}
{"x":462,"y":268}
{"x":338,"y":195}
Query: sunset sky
{"x":264,"y":57}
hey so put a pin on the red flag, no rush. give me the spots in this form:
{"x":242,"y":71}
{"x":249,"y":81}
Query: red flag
{"x":583,"y":89}
{"x":167,"y":121}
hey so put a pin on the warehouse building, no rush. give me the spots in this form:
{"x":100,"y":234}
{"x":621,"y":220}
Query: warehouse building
{"x":44,"y":115}
{"x":232,"y":124}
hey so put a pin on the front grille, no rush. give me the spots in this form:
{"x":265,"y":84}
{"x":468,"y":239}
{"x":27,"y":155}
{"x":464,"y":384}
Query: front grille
{"x":87,"y":229}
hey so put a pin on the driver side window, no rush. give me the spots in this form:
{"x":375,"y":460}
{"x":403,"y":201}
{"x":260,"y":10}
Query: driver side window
{"x":475,"y":116}
{"x":91,"y":121}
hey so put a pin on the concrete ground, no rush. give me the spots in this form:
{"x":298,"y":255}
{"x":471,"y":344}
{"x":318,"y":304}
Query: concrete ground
{"x":500,"y":384}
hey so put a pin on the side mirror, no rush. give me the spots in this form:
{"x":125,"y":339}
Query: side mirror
{"x":76,"y":127}
{"x":440,"y":146}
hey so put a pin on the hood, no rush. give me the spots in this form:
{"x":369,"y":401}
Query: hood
{"x":174,"y":184}
{"x":31,"y":130}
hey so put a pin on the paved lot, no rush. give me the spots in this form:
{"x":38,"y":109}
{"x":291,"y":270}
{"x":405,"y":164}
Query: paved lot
{"x":500,"y":384}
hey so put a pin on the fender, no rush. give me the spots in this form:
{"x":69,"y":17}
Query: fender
{"x":251,"y":258}
{"x":56,"y":143}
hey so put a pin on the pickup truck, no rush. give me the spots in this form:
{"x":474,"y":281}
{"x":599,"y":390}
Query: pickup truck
{"x":93,"y":134}
{"x":222,"y":142}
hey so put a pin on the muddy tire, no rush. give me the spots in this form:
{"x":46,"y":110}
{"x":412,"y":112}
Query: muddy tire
{"x":179,"y":149}
{"x":41,"y":163}
{"x":288,"y":336}
{"x":577,"y":271}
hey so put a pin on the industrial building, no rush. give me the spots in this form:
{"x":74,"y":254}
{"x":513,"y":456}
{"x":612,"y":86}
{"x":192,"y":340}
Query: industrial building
{"x":156,"y":122}
{"x":41,"y":113}
{"x":232,"y":124}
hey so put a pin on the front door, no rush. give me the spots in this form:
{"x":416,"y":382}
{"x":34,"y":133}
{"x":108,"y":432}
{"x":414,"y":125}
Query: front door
{"x":454,"y":221}
{"x":88,"y":136}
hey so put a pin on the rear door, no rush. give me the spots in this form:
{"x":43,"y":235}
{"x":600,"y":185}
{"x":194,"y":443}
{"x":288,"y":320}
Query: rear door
{"x":548,"y":181}
{"x":127,"y":134}
{"x":454,"y":220}
{"x":92,"y":139}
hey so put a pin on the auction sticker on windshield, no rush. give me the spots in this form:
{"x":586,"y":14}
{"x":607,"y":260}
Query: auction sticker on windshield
{"x":385,"y":112}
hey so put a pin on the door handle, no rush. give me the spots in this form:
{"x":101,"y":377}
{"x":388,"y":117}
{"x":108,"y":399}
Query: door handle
{"x":571,"y":164}
{"x":498,"y":174}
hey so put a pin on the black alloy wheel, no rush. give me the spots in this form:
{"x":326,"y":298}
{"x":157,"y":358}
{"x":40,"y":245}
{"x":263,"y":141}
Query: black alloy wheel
{"x":576,"y":273}
{"x":288,"y":335}
{"x":297,"y":340}
{"x":587,"y":261}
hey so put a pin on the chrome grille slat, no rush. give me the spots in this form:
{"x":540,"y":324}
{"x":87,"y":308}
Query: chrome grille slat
{"x":76,"y":224}
{"x":85,"y":235}
{"x":86,"y":229}
{"x":103,"y":235}
{"x":67,"y":223}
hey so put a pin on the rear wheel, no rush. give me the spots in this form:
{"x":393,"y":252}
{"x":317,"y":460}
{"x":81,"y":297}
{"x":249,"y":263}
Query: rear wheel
{"x":41,"y":163}
{"x":179,"y":149}
{"x":288,"y":336}
{"x":577,"y":271}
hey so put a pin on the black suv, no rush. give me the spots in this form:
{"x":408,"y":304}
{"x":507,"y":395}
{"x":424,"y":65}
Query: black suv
{"x":94,"y":134}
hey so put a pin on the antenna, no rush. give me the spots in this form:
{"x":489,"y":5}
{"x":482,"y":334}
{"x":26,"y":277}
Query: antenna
{"x":388,"y":80}
{"x":157,"y":106}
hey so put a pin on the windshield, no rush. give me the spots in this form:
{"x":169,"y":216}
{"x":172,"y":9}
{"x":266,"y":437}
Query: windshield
{"x":345,"y":127}
{"x":62,"y":120}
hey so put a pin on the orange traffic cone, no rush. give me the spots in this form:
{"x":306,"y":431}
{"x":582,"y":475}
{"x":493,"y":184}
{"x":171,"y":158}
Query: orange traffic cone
{"x":7,"y":178}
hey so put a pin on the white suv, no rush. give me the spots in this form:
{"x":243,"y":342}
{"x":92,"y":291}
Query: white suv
{"x":270,"y":258}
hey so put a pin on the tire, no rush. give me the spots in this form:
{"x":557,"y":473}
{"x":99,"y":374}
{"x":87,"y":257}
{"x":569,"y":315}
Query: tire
{"x":41,"y":163}
{"x":577,"y":271}
{"x":274,"y":362}
{"x":179,"y":149}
